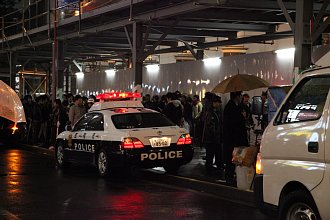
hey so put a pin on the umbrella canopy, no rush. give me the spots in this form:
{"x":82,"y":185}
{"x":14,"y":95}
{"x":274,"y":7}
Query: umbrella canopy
{"x":11,"y":106}
{"x":240,"y":82}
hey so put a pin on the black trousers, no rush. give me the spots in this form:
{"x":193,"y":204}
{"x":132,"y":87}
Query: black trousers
{"x":230,"y":167}
{"x":213,"y":151}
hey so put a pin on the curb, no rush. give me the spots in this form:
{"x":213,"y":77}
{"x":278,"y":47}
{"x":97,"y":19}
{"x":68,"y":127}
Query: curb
{"x":226,"y":192}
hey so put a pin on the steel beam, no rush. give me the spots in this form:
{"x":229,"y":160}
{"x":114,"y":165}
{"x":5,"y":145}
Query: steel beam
{"x":137,"y":61}
{"x":244,"y":40}
{"x":195,"y":25}
{"x":286,"y":14}
{"x":303,"y":43}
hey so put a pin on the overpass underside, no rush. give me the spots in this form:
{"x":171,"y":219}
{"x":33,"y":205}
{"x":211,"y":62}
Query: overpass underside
{"x":49,"y":37}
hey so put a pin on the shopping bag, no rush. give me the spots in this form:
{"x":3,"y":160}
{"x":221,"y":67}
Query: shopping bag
{"x":244,"y":176}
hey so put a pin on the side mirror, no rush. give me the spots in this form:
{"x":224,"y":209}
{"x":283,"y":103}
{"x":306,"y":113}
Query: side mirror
{"x":68,"y":128}
{"x":256,"y":105}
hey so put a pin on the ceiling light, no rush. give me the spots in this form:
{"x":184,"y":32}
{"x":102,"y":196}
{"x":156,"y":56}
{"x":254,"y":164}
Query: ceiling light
{"x":214,"y":61}
{"x":80,"y":75}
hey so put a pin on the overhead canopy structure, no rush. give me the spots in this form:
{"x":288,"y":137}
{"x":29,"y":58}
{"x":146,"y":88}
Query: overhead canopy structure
{"x":103,"y":33}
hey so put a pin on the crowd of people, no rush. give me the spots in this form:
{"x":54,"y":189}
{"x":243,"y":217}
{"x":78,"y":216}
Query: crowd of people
{"x":216,"y":131}
{"x":45,"y":122}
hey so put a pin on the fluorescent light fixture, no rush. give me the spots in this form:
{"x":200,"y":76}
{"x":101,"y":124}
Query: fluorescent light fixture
{"x":80,"y":75}
{"x":152,"y":67}
{"x":188,"y":81}
{"x":110,"y":72}
{"x":285,"y":53}
{"x":214,"y":61}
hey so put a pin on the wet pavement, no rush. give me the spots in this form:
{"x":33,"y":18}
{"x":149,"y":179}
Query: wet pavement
{"x":31,"y":188}
{"x":191,"y":175}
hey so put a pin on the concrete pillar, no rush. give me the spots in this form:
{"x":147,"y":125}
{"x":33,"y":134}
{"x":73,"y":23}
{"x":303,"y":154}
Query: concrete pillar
{"x":137,"y":55}
{"x":303,"y":43}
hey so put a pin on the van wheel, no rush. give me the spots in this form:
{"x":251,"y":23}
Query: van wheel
{"x":102,"y":163}
{"x":60,"y":157}
{"x":298,"y":205}
{"x":171,"y":168}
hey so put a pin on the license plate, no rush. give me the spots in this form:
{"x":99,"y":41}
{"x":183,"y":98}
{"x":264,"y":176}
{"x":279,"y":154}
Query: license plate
{"x":160,"y":142}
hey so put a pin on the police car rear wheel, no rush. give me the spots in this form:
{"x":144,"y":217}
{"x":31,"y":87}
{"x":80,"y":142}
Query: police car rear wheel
{"x":102,"y":163}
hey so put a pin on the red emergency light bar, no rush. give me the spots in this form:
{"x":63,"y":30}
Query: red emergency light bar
{"x":117,"y":96}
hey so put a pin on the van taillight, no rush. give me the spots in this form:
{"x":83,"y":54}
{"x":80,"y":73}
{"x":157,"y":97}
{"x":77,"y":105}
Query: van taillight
{"x":131,"y":143}
{"x":184,"y":139}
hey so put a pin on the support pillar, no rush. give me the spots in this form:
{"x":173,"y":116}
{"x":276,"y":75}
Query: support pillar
{"x":302,"y":34}
{"x":60,"y":67}
{"x":200,"y":54}
{"x":12,"y":68}
{"x":137,"y":55}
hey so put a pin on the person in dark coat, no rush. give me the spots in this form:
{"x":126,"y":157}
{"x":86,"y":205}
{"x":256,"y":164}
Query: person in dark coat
{"x":234,"y":133}
{"x":173,"y":109}
{"x":212,"y":135}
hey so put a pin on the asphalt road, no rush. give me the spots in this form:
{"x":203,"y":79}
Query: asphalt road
{"x":32,"y":188}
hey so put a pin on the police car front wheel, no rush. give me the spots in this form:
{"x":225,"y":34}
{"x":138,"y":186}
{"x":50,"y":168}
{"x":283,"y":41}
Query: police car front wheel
{"x":102,"y":163}
{"x":60,"y":157}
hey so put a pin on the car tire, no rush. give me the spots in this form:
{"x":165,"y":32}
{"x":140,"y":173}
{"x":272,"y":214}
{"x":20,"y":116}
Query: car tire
{"x":102,"y":163}
{"x":298,"y":203}
{"x":60,"y":157}
{"x":172,"y":168}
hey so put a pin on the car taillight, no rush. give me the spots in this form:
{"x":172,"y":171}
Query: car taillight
{"x":258,"y":164}
{"x":184,"y":139}
{"x":131,"y":143}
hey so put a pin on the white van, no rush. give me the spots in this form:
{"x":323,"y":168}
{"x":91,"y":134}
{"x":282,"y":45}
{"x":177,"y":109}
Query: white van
{"x":293,"y":163}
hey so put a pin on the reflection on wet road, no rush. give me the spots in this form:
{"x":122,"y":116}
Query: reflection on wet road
{"x":31,"y":188}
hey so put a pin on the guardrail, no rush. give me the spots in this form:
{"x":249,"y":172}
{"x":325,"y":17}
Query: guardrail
{"x":35,"y":15}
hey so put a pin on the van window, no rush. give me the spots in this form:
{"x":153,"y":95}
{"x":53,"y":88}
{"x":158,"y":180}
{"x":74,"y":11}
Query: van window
{"x":306,"y":102}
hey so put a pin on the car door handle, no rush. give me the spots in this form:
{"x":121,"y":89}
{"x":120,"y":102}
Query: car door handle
{"x":313,"y":147}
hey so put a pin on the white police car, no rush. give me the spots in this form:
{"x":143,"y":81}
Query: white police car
{"x":120,"y":134}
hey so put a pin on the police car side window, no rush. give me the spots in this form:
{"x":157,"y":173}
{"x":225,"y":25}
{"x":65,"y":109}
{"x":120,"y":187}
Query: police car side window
{"x":306,"y":102}
{"x":96,"y":123}
{"x":81,"y":124}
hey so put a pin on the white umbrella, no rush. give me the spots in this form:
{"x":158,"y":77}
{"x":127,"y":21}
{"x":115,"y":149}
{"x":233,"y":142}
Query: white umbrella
{"x":11,"y":106}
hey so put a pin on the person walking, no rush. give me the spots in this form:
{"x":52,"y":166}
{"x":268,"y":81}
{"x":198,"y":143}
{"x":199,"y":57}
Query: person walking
{"x":212,"y":135}
{"x":234,"y":132}
{"x":77,"y":110}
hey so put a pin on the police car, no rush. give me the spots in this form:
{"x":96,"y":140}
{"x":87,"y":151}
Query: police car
{"x":117,"y":134}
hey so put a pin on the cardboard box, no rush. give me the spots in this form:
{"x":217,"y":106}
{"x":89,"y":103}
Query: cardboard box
{"x":245,"y":156}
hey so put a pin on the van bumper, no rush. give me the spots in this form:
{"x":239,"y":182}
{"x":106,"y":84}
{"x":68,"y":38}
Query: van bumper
{"x":264,"y":207}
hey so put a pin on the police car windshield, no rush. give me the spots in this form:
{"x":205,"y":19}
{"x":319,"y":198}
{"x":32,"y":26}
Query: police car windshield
{"x":140,"y":120}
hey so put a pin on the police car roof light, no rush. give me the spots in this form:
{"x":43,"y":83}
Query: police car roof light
{"x":115,"y":96}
